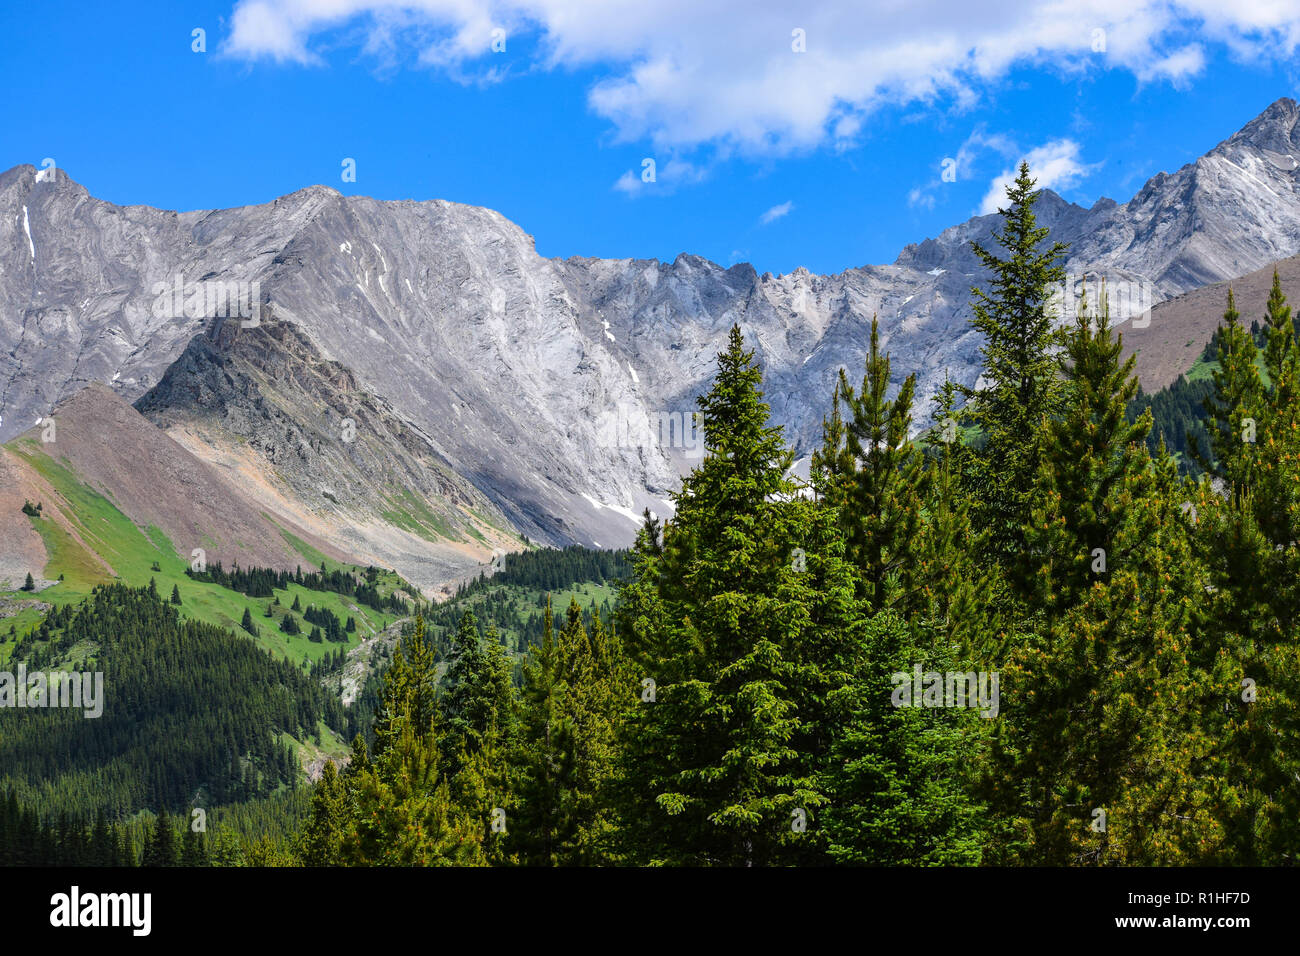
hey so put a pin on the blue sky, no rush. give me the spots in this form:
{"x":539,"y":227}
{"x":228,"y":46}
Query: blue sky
{"x":828,"y":158}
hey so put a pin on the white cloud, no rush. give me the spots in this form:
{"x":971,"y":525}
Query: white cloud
{"x":921,"y":197}
{"x":674,"y":172}
{"x":961,"y":166}
{"x":1055,"y":165}
{"x":681,"y":73}
{"x":776,"y":212}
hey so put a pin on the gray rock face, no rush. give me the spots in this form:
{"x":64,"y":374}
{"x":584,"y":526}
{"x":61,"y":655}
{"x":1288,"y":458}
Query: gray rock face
{"x":298,"y":435}
{"x":552,"y":385}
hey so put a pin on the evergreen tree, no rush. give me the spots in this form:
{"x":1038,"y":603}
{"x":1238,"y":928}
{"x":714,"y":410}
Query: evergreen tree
{"x":321,"y":837}
{"x":1233,"y":407}
{"x":876,"y":481}
{"x":955,"y":580}
{"x":468,"y":707}
{"x":1247,"y":536}
{"x":1092,"y":458}
{"x":194,"y":851}
{"x":544,"y":758}
{"x":176,"y":595}
{"x":162,"y":849}
{"x":1014,"y":318}
{"x":1104,"y":727}
{"x":897,"y":778}
{"x":716,"y":760}
{"x":394,"y":806}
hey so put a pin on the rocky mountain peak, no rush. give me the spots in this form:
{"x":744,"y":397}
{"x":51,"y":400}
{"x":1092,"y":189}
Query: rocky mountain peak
{"x":550,"y":385}
{"x":1274,"y":129}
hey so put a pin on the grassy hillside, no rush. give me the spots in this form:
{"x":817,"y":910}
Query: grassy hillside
{"x":137,"y":556}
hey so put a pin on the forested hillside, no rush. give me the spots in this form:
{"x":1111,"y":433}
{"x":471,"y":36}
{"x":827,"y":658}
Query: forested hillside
{"x":192,"y":714}
{"x":1178,"y":412}
{"x":1049,"y":648}
{"x":1039,"y":635}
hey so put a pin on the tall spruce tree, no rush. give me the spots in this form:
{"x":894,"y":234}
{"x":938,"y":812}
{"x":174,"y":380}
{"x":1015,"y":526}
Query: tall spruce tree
{"x":1096,"y":762}
{"x":1092,"y":457}
{"x":321,"y":837}
{"x":396,"y":806}
{"x":544,"y":757}
{"x":724,"y":758}
{"x":1015,"y":319}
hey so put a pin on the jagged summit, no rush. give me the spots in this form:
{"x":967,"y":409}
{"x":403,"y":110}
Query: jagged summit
{"x":1274,"y":129}
{"x":527,"y":374}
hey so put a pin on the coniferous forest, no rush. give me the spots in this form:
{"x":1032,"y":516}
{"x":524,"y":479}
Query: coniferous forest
{"x":789,"y":676}
{"x":1046,"y":621}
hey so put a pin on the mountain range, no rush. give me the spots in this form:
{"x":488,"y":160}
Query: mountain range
{"x":410,"y":384}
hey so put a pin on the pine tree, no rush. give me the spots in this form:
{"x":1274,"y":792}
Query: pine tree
{"x":1107,"y":687}
{"x":247,"y":623}
{"x":395,"y":806}
{"x":194,"y":851}
{"x":1247,"y":537}
{"x":896,"y":780}
{"x":716,"y":760}
{"x":466,"y":706}
{"x":1014,"y":318}
{"x":176,"y":595}
{"x":1233,"y":408}
{"x":321,"y":837}
{"x":409,"y":691}
{"x":1277,"y":437}
{"x":1092,"y":459}
{"x":544,"y":757}
{"x":162,"y":849}
{"x":29,"y":584}
{"x":955,"y":580}
{"x":405,"y":815}
{"x":876,"y":481}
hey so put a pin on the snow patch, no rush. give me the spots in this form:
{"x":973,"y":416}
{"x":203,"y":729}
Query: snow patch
{"x":345,"y":247}
{"x":375,"y":335}
{"x":617,"y":509}
{"x":27,"y":228}
{"x":936,"y":272}
{"x":633,"y":371}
